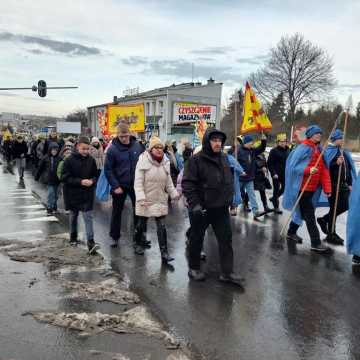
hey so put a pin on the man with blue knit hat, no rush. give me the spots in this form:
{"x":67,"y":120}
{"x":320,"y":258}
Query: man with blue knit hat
{"x":246,"y":157}
{"x":340,"y":163}
{"x":306,"y":173}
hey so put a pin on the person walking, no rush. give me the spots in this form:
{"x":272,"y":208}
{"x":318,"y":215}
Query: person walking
{"x":208,"y":188}
{"x":176,"y":163}
{"x":153,"y":186}
{"x":120,"y":164}
{"x":47,"y":171}
{"x":276,"y":164}
{"x":246,"y":157}
{"x":300,"y":167}
{"x":337,"y":160}
{"x":79,"y":178}
{"x":352,"y":230}
{"x":8,"y":153}
{"x":19,"y":151}
{"x":97,"y":152}
{"x":261,"y":181}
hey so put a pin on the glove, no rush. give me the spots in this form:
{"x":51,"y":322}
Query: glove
{"x":197,"y":210}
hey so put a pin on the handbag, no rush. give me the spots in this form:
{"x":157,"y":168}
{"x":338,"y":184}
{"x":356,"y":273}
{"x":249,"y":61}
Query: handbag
{"x":102,"y":187}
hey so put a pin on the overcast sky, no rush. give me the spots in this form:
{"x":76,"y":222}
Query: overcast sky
{"x":106,"y":46}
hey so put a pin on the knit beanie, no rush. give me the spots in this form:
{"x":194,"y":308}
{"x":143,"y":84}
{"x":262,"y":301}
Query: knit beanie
{"x":154,"y":141}
{"x":337,"y":135}
{"x":95,"y":140}
{"x":312,"y":130}
{"x":281,"y":137}
{"x":247,"y":139}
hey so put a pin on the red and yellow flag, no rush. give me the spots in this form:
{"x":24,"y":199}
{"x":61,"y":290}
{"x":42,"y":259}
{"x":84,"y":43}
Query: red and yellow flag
{"x":254,"y":117}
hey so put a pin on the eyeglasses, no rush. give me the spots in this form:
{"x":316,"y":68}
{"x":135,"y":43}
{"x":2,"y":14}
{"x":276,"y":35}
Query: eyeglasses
{"x":159,"y":147}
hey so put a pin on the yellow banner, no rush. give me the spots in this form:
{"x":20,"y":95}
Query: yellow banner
{"x":254,"y":117}
{"x":134,"y":115}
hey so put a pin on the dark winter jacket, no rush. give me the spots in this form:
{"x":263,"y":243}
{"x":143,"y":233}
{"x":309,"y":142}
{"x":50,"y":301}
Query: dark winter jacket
{"x":76,"y":168}
{"x":261,"y":182}
{"x":277,"y":161}
{"x":19,"y":149}
{"x":47,"y":169}
{"x":207,"y":179}
{"x":7,"y":147}
{"x":247,"y":159}
{"x":120,"y":163}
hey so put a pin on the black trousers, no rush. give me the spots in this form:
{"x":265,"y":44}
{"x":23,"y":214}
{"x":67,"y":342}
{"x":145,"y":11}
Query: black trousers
{"x":141,"y":228}
{"x":219,"y":219}
{"x":307,"y":211}
{"x":263,"y":198}
{"x":117,"y":208}
{"x":342,"y":206}
{"x":278,"y":190}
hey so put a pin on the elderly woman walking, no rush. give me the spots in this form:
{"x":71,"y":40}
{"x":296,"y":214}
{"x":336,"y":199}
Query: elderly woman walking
{"x":97,"y":152}
{"x":153,"y":186}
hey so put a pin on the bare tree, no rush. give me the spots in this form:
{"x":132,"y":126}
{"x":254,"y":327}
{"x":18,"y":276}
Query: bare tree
{"x":303,"y":72}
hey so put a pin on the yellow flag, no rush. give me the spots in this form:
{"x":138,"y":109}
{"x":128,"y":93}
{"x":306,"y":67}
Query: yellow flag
{"x":254,"y":117}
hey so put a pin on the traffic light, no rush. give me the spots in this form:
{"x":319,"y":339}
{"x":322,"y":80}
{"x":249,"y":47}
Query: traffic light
{"x":42,"y":88}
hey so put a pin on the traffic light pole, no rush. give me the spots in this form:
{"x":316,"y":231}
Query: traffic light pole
{"x":34,"y":88}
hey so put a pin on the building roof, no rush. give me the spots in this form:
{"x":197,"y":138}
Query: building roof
{"x":159,"y":92}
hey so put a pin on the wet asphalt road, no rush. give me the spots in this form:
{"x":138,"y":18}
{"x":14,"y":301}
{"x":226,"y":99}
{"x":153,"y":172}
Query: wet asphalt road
{"x":296,"y":305}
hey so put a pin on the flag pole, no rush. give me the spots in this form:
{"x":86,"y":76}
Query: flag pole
{"x":235,"y":126}
{"x":309,"y":178}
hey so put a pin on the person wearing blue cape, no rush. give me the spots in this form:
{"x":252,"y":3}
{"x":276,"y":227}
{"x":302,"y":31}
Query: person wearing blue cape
{"x":352,"y":226}
{"x":306,"y":173}
{"x":337,"y":160}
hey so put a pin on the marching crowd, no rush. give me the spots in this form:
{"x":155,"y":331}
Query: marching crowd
{"x":213,"y":182}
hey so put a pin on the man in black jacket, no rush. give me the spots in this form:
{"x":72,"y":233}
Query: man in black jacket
{"x":19,"y":152}
{"x":120,"y":163}
{"x":247,"y":159}
{"x":47,"y":170}
{"x":208,"y":188}
{"x":276,"y":164}
{"x":79,"y":176}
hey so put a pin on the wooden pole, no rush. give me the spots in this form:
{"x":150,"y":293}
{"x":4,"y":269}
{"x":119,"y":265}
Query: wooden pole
{"x":339,"y":176}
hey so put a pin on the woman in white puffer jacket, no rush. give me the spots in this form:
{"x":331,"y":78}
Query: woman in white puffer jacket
{"x":153,"y":186}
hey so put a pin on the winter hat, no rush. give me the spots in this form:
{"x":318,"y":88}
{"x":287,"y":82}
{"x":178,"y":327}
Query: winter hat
{"x":312,"y":130}
{"x":155,"y":141}
{"x":337,"y":135}
{"x":281,"y":137}
{"x":247,"y":139}
{"x":95,"y":140}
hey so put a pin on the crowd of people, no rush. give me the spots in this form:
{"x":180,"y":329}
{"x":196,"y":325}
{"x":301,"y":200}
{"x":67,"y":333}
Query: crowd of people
{"x":212,"y":180}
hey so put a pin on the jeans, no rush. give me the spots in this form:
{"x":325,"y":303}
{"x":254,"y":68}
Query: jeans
{"x":219,"y":219}
{"x":20,"y":164}
{"x":248,"y":186}
{"x":307,"y":211}
{"x":53,"y":195}
{"x":118,"y":205}
{"x":279,"y":187}
{"x":88,"y":221}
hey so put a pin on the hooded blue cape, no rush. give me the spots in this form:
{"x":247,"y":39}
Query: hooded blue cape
{"x":330,"y":153}
{"x":352,"y":227}
{"x":296,"y":163}
{"x":234,"y":164}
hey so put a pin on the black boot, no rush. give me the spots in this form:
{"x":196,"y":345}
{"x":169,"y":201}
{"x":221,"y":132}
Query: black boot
{"x":138,"y":237}
{"x":73,"y":239}
{"x":162,"y":238}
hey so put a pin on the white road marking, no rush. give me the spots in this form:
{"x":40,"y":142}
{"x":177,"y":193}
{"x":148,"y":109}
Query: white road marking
{"x":38,"y":206}
{"x":36,"y":212}
{"x":44,"y":219}
{"x":16,"y":234}
{"x":22,"y":197}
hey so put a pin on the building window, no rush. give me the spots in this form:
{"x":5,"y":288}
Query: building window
{"x":147,"y":108}
{"x":161,"y":105}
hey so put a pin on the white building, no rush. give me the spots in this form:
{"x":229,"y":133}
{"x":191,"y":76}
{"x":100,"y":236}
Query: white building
{"x":171,"y":112}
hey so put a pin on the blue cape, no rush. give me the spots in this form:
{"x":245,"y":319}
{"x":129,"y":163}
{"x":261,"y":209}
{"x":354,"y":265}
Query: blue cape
{"x":234,"y":164}
{"x":296,"y":163}
{"x":352,"y":227}
{"x":331,"y":151}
